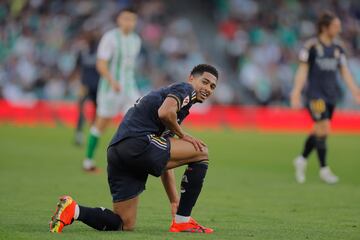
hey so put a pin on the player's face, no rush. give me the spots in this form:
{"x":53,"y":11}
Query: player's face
{"x":127,"y":21}
{"x":334,"y":28}
{"x":204,"y":85}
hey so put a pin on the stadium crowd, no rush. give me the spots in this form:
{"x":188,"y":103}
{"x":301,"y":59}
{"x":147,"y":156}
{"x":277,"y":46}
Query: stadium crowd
{"x":254,"y":43}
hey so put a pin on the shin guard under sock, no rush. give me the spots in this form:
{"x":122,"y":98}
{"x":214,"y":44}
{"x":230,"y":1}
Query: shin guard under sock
{"x":191,"y":186}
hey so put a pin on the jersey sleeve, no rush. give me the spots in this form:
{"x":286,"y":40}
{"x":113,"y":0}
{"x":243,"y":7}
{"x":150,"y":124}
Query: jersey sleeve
{"x":105,"y":49}
{"x":304,"y":55}
{"x":342,"y":58}
{"x":181,"y":93}
{"x":306,"y":52}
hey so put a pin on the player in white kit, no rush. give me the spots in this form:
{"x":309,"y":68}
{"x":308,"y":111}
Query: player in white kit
{"x":117,"y":90}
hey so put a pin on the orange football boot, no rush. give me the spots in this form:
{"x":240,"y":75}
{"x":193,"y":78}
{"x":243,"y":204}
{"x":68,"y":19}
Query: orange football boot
{"x":64,"y":214}
{"x":192,"y":227}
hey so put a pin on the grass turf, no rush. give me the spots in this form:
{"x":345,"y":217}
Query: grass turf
{"x":249,"y":193}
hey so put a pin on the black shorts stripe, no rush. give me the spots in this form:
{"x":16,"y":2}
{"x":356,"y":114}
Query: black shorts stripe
{"x":158,"y":145}
{"x":158,"y":139}
{"x":157,"y":142}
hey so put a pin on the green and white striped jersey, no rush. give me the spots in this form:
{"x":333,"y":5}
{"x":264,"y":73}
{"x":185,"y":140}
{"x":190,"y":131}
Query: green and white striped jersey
{"x":120,"y":51}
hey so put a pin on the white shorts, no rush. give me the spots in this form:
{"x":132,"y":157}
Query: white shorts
{"x":110,"y":104}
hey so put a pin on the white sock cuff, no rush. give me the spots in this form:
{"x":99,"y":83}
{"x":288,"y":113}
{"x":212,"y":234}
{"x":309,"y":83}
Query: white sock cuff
{"x":77,"y":212}
{"x":88,"y":163}
{"x":95,"y":131}
{"x":181,"y":219}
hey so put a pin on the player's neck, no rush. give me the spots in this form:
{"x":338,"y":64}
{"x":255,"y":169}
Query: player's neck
{"x":325,"y":39}
{"x":124,"y":32}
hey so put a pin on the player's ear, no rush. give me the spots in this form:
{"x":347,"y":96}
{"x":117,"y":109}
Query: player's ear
{"x":190,"y":78}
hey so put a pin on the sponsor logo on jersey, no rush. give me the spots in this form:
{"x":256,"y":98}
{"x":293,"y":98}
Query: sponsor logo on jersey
{"x":327,"y":64}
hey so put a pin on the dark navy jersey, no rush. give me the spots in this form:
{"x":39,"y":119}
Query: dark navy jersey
{"x":86,"y":61}
{"x":142,"y":119}
{"x":324,"y":62}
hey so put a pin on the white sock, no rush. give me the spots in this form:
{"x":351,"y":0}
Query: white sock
{"x":88,"y":163}
{"x":181,"y":219}
{"x":77,"y":212}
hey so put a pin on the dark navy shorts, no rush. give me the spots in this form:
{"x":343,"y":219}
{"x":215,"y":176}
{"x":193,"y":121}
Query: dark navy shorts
{"x":131,"y":160}
{"x":91,"y":93}
{"x":320,"y":110}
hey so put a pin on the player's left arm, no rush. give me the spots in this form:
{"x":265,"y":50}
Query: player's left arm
{"x":168,"y":116}
{"x":349,"y":80}
{"x":169,"y":183}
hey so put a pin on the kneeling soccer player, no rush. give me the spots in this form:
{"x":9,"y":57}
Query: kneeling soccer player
{"x":144,"y":144}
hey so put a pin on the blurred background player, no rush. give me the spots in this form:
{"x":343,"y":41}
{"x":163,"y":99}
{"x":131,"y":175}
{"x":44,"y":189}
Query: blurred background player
{"x":86,"y":64}
{"x":145,"y":144}
{"x":117,"y":90}
{"x":320,"y":60}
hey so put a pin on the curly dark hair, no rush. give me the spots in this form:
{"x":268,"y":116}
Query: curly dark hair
{"x":201,"y":68}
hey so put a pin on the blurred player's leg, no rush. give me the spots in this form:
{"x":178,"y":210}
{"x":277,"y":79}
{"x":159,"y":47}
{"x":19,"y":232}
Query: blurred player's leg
{"x":309,"y":145}
{"x":79,"y":136}
{"x":181,"y":153}
{"x":95,"y":132}
{"x":322,"y":129}
{"x":300,"y":162}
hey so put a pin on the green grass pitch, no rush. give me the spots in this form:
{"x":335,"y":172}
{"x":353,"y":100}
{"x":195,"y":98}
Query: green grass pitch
{"x":249,"y":192}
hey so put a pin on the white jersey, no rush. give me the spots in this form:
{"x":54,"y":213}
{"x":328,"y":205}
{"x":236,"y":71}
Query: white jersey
{"x":120,"y":51}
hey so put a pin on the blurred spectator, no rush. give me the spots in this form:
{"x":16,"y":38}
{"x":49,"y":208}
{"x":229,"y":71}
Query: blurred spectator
{"x":260,"y":42}
{"x":253,"y":42}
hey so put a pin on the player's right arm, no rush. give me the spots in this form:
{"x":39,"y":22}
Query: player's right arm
{"x":168,"y":116}
{"x":355,"y":90}
{"x":169,"y":183}
{"x":299,"y":83}
{"x":305,"y":57}
{"x":104,"y":54}
{"x":102,"y":67}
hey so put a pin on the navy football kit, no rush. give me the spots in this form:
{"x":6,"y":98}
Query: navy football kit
{"x":141,"y":145}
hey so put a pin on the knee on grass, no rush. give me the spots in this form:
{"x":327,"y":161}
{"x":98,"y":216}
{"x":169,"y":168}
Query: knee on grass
{"x":128,"y":225}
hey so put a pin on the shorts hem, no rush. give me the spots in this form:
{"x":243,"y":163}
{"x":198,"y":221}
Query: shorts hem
{"x":127,"y":198}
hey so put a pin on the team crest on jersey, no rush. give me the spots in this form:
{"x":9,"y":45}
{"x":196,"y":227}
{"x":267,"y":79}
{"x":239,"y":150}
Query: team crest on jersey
{"x":337,"y":53}
{"x":186,"y":101}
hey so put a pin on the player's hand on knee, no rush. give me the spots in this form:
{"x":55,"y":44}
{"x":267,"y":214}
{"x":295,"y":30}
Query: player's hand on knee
{"x":198,"y":144}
